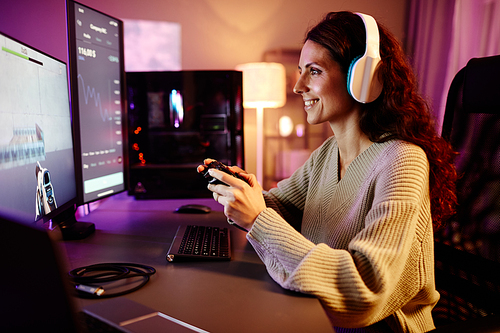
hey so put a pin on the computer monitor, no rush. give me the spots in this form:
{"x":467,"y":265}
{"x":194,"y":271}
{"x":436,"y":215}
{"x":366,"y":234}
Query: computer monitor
{"x":37,"y":169}
{"x":97,"y":79}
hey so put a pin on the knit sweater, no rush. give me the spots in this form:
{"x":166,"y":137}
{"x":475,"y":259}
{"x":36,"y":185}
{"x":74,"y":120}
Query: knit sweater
{"x":363,"y":245}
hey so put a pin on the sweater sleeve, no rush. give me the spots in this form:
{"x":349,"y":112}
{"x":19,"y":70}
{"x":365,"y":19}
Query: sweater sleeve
{"x":380,"y":271}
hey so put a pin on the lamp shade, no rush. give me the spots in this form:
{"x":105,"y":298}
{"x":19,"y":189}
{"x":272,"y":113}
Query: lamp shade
{"x":264,"y":84}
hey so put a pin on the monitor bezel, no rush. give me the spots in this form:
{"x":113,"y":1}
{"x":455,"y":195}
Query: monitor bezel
{"x":73,"y":73}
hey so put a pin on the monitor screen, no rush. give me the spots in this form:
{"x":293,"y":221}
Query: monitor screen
{"x":37,"y":170}
{"x":97,"y":82}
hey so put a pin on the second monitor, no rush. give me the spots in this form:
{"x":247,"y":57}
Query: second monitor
{"x":97,"y":75}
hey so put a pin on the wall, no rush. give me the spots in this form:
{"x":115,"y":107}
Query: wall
{"x":216,"y":34}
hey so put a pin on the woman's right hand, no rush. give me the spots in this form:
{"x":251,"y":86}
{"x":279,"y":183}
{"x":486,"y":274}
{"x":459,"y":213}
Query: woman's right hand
{"x":243,"y":201}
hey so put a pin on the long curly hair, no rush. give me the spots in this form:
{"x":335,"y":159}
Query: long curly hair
{"x":400,"y":112}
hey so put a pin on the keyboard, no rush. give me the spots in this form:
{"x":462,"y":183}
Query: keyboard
{"x":195,"y":242}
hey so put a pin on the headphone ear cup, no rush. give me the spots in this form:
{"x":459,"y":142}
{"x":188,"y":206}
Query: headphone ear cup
{"x":350,"y":75}
{"x":364,"y":83}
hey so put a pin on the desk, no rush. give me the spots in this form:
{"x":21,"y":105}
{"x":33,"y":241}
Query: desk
{"x":228,"y":296}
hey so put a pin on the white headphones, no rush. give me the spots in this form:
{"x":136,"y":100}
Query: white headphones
{"x":362,"y":82}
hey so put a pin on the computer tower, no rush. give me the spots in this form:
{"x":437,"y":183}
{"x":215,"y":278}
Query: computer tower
{"x":176,"y":120}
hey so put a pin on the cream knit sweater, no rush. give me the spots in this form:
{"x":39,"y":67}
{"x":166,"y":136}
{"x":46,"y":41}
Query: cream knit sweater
{"x":365,"y":243}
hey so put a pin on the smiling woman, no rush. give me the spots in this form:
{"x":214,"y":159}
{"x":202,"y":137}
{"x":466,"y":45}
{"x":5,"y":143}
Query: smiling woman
{"x":354,"y":225}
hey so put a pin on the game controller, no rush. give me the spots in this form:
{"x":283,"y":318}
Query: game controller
{"x":222,"y":167}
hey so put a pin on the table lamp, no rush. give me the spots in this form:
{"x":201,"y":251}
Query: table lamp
{"x":264,"y":86}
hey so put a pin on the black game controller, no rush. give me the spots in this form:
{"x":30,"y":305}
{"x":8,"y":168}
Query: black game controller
{"x":222,"y":167}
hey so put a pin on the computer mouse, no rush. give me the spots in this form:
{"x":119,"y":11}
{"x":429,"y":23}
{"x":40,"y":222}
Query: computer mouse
{"x":193,"y":209}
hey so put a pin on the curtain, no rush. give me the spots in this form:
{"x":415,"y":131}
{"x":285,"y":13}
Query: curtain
{"x":443,"y":35}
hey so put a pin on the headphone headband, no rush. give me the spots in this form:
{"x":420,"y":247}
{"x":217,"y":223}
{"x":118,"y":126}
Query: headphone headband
{"x":372,"y":36}
{"x":362,"y":82}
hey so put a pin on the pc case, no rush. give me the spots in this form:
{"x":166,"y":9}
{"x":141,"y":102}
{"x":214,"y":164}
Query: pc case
{"x":176,"y":120}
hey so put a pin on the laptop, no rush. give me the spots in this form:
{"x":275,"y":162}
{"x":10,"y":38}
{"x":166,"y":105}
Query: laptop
{"x":37,"y":297}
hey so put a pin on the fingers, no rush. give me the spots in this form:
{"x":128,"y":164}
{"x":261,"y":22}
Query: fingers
{"x":237,"y":169}
{"x":207,"y":161}
{"x":248,"y":177}
{"x":218,"y":192}
{"x":221,"y":200}
{"x":201,"y":168}
{"x":222,"y":176}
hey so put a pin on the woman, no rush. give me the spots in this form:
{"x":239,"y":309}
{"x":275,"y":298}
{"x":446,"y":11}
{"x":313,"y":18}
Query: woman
{"x":354,"y":225}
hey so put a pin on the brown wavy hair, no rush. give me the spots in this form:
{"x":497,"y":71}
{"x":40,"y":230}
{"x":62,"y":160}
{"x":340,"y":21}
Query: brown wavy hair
{"x":400,"y":112}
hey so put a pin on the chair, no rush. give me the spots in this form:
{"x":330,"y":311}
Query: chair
{"x":467,"y":250}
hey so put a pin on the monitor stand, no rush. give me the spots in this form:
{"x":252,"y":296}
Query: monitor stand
{"x":71,"y":229}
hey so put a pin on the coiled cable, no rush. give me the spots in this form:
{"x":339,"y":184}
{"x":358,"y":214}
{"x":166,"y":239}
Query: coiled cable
{"x":90,"y":280}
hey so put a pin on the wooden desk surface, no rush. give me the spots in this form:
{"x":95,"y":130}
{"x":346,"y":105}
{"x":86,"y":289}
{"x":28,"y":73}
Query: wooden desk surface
{"x":230,"y":296}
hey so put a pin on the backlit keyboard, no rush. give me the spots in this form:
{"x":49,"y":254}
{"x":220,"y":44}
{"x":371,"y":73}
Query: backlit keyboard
{"x":194,"y":242}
